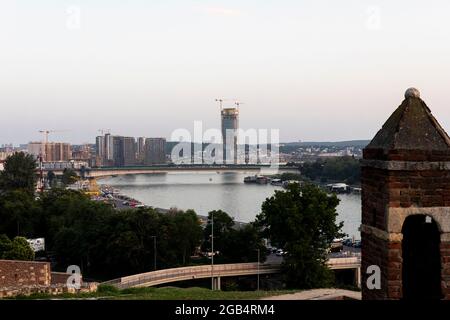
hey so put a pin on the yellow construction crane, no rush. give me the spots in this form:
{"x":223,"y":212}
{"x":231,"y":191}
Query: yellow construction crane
{"x":221,"y":100}
{"x":47,"y":132}
{"x":237,"y":104}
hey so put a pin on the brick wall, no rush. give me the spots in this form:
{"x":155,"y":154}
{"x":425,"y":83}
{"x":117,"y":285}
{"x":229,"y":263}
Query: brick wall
{"x":61,"y":277}
{"x":427,"y":188}
{"x":406,"y":155}
{"x":374,"y":197}
{"x":374,"y":253}
{"x":24,"y":273}
{"x":383,"y":189}
{"x":445,"y":265}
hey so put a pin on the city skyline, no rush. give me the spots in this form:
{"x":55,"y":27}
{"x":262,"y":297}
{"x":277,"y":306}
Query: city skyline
{"x":317,"y":71}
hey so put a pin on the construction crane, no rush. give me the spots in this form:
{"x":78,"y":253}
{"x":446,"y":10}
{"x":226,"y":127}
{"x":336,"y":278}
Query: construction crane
{"x":103,"y":131}
{"x":221,"y":100}
{"x":237,"y":104}
{"x":47,"y":132}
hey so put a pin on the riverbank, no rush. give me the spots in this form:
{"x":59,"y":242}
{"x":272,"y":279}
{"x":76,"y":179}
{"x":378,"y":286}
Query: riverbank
{"x":124,"y":202}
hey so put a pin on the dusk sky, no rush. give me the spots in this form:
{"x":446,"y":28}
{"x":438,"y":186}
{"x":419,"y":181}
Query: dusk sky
{"x":317,"y":70}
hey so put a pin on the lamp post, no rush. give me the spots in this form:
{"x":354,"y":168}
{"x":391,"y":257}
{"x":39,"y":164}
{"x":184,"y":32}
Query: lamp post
{"x":212,"y":250}
{"x":259,"y":251}
{"x":154,"y":252}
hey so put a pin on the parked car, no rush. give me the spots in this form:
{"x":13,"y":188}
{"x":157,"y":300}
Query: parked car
{"x":280,"y":252}
{"x":336,"y":245}
{"x":357,"y":244}
{"x":348,"y":242}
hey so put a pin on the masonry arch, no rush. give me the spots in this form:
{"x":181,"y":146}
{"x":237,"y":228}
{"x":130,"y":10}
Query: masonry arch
{"x":421,"y":266}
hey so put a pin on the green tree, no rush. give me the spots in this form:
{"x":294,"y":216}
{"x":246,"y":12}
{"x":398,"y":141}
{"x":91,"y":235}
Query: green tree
{"x":51,"y":178}
{"x":17,"y":249}
{"x":232,"y":244}
{"x":19,"y":173}
{"x":345,"y":169}
{"x":187,"y":234}
{"x":243,"y":244}
{"x":17,"y":209}
{"x":5,"y":244}
{"x":69,"y":177}
{"x":223,"y":224}
{"x":302,"y":221}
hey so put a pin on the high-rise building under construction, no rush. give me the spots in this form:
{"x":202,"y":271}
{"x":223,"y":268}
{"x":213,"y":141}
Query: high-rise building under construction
{"x":230,"y":125}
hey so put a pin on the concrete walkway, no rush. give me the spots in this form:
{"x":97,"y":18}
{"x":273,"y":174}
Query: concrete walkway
{"x":319,"y":294}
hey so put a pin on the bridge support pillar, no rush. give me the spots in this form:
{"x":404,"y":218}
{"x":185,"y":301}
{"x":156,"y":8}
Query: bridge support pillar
{"x":216,"y":283}
{"x":358,"y":277}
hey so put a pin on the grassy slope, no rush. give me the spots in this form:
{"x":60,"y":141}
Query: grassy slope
{"x":166,"y":293}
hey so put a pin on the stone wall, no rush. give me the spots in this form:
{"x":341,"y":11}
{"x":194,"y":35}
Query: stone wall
{"x":24,"y":273}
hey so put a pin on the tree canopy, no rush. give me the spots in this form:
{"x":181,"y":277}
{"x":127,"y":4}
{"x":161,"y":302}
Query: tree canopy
{"x":19,"y":173}
{"x":232,"y":244}
{"x":345,"y":169}
{"x":17,"y":249}
{"x":302,"y":221}
{"x":69,"y":177}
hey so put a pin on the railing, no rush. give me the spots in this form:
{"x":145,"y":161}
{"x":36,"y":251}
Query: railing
{"x":220,"y":270}
{"x":197,"y":272}
{"x":336,"y":262}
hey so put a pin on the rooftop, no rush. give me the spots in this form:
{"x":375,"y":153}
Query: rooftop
{"x":411,"y":127}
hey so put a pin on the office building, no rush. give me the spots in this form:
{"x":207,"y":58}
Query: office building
{"x":155,"y":151}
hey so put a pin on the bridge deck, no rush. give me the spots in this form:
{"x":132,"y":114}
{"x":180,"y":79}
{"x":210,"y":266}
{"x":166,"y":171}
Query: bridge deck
{"x":154,"y":278}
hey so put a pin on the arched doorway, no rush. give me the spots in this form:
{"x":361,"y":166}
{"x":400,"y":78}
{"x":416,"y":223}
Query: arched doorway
{"x":421,"y":269}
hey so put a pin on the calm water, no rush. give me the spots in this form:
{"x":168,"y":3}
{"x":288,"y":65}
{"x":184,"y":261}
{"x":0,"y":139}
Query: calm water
{"x":207,"y":191}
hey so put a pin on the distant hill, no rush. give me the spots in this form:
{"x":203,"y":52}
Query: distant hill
{"x":289,"y":145}
{"x":350,"y":143}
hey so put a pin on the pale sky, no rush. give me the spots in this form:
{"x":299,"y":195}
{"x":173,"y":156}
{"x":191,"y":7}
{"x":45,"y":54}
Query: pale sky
{"x":315,"y":69}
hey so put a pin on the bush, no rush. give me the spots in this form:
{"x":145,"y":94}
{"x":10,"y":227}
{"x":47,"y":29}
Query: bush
{"x":108,"y":289}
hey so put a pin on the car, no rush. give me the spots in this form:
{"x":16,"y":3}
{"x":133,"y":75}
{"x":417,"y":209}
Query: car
{"x":280,"y":252}
{"x":347,"y":242}
{"x":125,"y":203}
{"x":357,"y":244}
{"x":336,"y":245}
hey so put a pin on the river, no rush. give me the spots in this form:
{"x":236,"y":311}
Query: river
{"x":208,"y":191}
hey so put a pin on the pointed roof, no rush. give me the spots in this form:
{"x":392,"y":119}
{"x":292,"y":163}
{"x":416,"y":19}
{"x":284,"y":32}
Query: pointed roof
{"x":411,"y":127}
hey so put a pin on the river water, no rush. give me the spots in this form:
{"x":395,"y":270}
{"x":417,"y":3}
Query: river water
{"x":208,"y":191}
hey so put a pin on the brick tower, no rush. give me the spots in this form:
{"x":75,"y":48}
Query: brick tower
{"x":405,"y":227}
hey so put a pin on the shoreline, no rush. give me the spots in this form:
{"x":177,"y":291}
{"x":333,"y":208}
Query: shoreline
{"x":119,"y":200}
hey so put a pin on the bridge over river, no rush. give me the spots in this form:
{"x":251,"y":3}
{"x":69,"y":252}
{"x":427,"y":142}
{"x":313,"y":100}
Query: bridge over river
{"x":216,"y":272}
{"x":130,"y":170}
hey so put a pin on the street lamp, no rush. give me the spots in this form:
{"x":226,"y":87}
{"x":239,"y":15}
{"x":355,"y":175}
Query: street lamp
{"x":154,"y":252}
{"x":212,"y":250}
{"x":259,"y":252}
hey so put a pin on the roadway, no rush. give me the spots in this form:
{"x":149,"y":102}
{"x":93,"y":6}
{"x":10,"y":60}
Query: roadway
{"x":216,"y":272}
